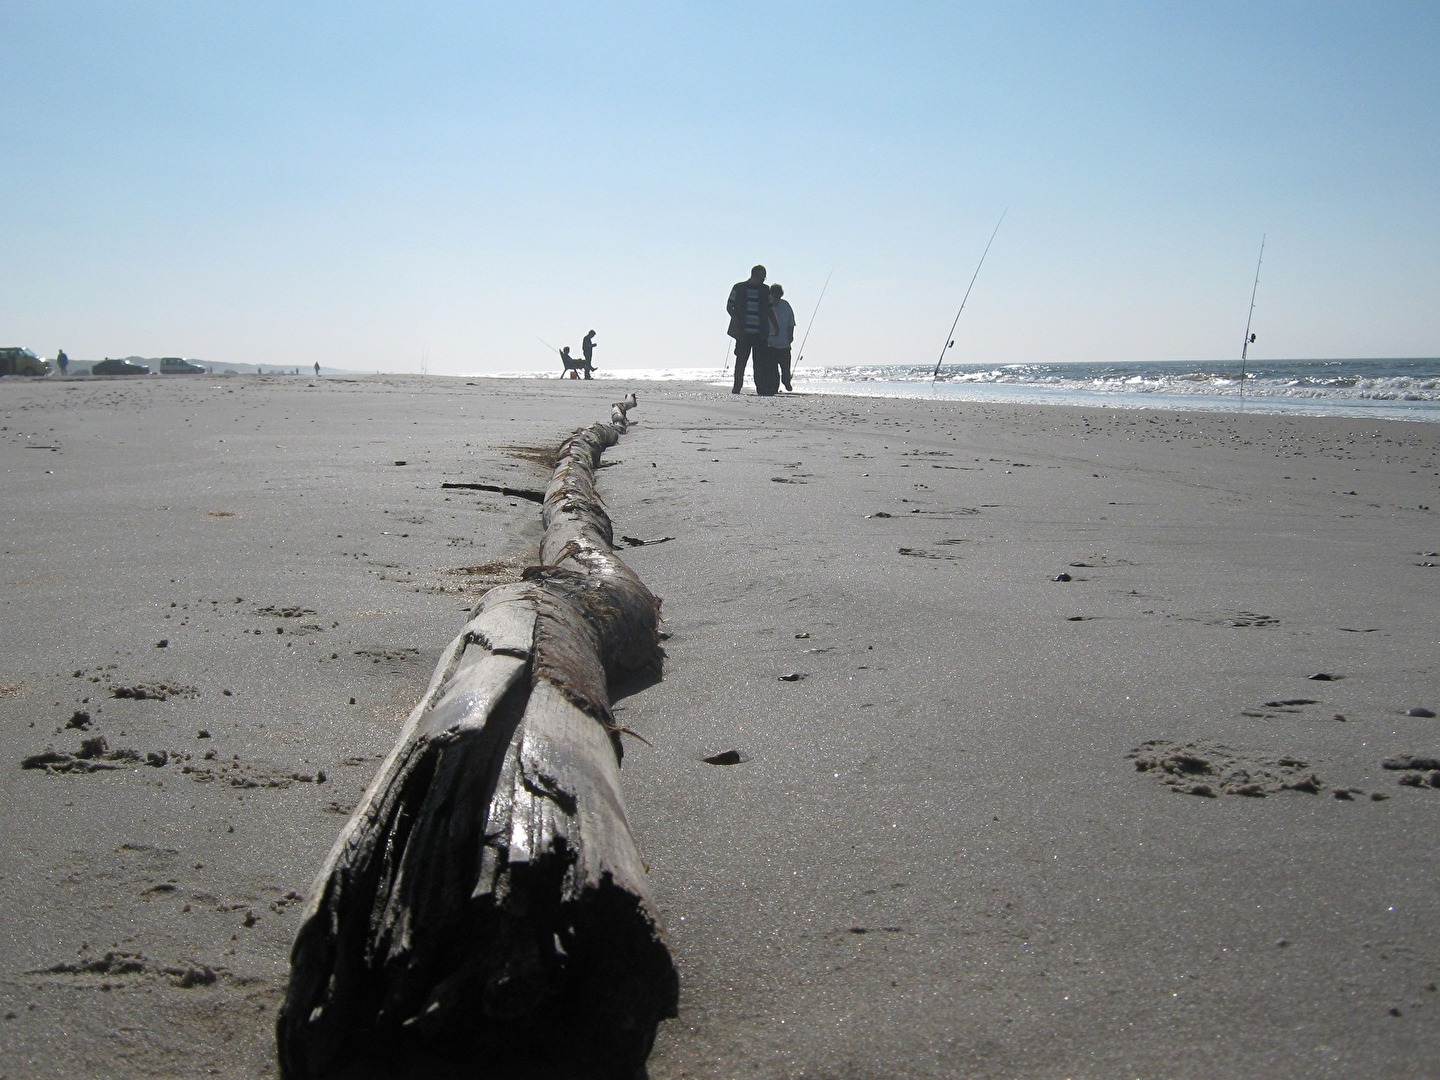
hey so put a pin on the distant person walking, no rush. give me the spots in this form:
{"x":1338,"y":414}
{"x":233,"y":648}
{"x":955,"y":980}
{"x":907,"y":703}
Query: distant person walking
{"x":317,"y":369}
{"x":751,"y":321}
{"x":588,"y":348}
{"x":63,"y":361}
{"x":778,"y":347}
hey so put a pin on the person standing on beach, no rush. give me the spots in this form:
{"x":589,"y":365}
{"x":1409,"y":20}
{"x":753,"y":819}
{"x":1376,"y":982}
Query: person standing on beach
{"x":588,"y":348}
{"x":63,"y":361}
{"x":751,"y":320}
{"x":783,"y":335}
{"x":317,"y":369}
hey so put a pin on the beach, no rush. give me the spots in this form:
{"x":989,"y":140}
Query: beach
{"x":1069,"y":742}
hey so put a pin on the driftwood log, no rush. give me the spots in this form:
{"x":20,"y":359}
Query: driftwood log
{"x":486,"y":902}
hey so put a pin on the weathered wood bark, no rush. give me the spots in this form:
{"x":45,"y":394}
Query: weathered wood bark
{"x":486,"y":902}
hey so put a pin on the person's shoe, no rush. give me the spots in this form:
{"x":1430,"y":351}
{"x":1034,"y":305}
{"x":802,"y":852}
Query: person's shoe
{"x":788,"y":386}
{"x":735,"y":389}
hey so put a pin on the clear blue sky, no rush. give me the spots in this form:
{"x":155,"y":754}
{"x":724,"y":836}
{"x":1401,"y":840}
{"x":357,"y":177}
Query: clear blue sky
{"x":373,"y":184}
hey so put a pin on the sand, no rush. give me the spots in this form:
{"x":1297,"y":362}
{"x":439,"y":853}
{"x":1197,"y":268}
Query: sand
{"x":1034,"y":777}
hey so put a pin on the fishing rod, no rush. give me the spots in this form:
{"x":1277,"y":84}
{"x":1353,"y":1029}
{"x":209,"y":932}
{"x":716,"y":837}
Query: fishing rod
{"x":566,"y":370}
{"x":796,"y":365}
{"x":1249,"y":337}
{"x":949,"y":338}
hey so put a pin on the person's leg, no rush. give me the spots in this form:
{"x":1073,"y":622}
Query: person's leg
{"x":783,"y":355}
{"x":742,"y":356}
{"x":767,"y":371}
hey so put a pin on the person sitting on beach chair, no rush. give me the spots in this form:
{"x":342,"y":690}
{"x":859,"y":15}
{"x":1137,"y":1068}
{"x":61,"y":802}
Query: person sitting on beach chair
{"x":573,"y":367}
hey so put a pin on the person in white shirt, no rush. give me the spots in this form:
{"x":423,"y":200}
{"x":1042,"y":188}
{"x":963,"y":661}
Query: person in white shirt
{"x":783,"y":334}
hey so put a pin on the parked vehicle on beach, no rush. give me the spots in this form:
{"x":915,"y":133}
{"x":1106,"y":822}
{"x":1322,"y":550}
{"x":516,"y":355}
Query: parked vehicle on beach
{"x":15,"y":360}
{"x":173,"y":365}
{"x":114,"y":365}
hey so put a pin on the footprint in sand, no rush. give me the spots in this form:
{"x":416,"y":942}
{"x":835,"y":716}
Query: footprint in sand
{"x":1212,"y":770}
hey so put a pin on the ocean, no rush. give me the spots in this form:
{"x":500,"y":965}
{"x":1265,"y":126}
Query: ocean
{"x":1400,"y":389}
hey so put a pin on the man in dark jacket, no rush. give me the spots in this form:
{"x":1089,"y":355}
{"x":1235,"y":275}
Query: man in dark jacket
{"x":588,"y":348}
{"x":751,"y":320}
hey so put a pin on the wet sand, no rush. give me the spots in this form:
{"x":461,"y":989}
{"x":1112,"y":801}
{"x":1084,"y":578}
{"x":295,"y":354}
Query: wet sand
{"x":1034,"y":777}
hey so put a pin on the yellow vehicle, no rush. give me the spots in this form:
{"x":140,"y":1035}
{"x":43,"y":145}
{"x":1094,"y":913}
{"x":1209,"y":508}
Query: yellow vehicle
{"x":17,"y":361}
